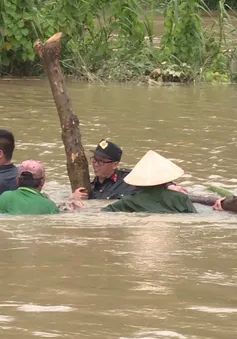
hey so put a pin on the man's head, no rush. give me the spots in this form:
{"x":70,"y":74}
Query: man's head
{"x":106,"y":158}
{"x":7,"y":145}
{"x":31,"y":173}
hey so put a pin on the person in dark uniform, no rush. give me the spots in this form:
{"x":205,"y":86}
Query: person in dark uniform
{"x":108,"y":182}
{"x":8,"y":172}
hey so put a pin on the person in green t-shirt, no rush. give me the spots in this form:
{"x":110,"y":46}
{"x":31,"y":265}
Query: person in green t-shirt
{"x":152,"y":173}
{"x":28,"y":199}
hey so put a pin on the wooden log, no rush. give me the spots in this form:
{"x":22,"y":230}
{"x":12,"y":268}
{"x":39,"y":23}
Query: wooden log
{"x":229,"y":204}
{"x":77,"y":165}
{"x":209,"y":201}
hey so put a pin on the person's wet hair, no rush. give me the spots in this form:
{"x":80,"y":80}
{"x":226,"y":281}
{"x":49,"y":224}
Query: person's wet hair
{"x":7,"y":143}
{"x":26,"y":180}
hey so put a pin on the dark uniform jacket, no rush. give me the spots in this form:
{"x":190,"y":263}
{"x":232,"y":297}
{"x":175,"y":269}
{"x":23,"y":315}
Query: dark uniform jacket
{"x":113,"y":187}
{"x":8,"y":174}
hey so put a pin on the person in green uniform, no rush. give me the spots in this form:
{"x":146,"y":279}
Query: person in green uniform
{"x":152,"y":173}
{"x":28,"y":199}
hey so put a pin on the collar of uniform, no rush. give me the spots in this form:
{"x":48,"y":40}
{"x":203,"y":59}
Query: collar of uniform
{"x":32,"y":190}
{"x":114,"y":178}
{"x":4,"y":167}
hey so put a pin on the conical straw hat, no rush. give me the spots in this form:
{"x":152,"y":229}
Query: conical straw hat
{"x":152,"y":170}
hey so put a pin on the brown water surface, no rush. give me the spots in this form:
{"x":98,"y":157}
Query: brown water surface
{"x":94,"y":275}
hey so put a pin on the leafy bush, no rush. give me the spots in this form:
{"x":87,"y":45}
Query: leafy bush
{"x":114,"y":39}
{"x":92,"y":32}
{"x":183,"y":36}
{"x":17,"y":30}
{"x":213,"y":4}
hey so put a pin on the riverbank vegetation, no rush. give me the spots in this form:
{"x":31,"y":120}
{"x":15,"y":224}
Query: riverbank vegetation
{"x":117,"y":40}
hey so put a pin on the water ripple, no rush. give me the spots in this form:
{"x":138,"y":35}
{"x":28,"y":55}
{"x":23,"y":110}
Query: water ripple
{"x":39,"y":308}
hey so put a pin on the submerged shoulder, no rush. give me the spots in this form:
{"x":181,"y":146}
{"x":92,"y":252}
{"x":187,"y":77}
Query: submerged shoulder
{"x":7,"y":194}
{"x":48,"y":201}
{"x":175,"y":194}
{"x":182,"y":198}
{"x":51,"y":206}
{"x":6,"y":197}
{"x":123,"y":172}
{"x":15,"y":169}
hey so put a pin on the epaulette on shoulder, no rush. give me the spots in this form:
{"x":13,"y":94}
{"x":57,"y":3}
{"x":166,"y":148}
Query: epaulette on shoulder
{"x":125,"y":170}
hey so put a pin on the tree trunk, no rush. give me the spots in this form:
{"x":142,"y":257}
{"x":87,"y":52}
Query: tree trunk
{"x":77,"y":165}
{"x":229,"y":204}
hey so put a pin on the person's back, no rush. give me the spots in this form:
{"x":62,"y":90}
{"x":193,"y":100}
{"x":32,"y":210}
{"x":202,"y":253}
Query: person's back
{"x":26,"y":200}
{"x":154,"y":199}
{"x":152,"y":173}
{"x":8,"y":172}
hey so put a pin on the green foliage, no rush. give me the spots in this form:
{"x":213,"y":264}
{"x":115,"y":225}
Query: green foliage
{"x":207,"y":51}
{"x":94,"y":32}
{"x":109,"y":33}
{"x":16,"y":34}
{"x":219,"y":52}
{"x":183,"y":36}
{"x":127,"y":65}
{"x":211,"y":4}
{"x":114,"y":39}
{"x":177,"y":73}
{"x":214,"y":4}
{"x":173,"y":73}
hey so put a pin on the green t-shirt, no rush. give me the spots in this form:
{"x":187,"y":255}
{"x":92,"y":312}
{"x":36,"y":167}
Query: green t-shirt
{"x":153,"y":199}
{"x":26,"y":200}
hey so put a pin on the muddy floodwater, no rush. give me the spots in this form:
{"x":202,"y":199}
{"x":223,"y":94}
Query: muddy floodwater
{"x":121,"y":276}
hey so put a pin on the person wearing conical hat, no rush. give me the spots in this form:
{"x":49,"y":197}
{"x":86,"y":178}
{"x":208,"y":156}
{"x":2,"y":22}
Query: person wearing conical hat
{"x":152,"y":173}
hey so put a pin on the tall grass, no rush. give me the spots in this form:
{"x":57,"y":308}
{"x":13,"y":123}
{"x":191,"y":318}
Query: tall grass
{"x":214,"y":4}
{"x":115,"y":39}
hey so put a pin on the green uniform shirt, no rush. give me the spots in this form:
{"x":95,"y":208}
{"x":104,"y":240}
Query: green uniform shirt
{"x":153,"y":199}
{"x":26,"y":201}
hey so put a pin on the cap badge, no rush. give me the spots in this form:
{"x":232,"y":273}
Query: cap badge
{"x":103,"y":144}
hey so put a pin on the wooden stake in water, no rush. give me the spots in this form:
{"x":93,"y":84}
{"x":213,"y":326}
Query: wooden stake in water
{"x":77,"y":165}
